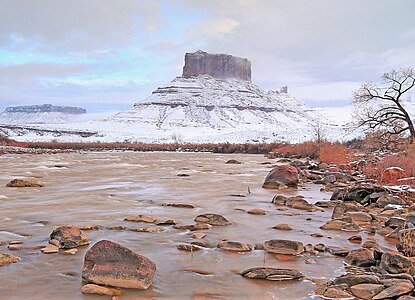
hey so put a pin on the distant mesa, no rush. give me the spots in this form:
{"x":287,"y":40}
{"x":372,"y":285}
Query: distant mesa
{"x":45,"y":108}
{"x":220,"y":66}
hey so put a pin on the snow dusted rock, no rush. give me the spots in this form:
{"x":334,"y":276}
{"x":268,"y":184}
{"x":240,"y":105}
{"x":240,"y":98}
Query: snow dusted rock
{"x":40,"y":114}
{"x":392,"y":174}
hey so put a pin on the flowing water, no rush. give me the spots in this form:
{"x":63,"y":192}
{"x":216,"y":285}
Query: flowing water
{"x":104,"y":188}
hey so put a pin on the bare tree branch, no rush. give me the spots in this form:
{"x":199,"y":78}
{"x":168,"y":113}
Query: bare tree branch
{"x":380,"y":107}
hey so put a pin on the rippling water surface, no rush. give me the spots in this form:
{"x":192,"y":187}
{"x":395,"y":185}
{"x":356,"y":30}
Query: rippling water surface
{"x":104,"y":188}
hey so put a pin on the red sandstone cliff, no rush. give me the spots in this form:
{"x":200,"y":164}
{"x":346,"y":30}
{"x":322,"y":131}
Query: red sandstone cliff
{"x":220,"y":66}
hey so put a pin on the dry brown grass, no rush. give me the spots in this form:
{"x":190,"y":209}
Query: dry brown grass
{"x":306,"y":149}
{"x":404,"y":160}
{"x":97,"y":146}
{"x":332,"y":153}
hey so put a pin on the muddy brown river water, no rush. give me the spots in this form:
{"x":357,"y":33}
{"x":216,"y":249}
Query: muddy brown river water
{"x":104,"y":188}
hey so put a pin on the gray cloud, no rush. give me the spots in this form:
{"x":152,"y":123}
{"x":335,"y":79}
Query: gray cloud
{"x":322,"y":49}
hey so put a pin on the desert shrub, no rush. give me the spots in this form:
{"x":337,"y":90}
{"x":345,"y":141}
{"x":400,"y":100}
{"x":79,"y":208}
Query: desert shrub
{"x":306,"y":149}
{"x":334,"y":153}
{"x":404,"y":160}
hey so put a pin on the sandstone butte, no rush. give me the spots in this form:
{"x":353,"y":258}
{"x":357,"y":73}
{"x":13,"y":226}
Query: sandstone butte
{"x":221,"y":66}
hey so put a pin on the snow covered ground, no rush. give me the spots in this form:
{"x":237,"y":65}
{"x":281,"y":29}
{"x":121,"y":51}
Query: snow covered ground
{"x":198,"y":110}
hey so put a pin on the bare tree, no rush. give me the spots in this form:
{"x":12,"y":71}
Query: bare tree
{"x":381,"y":107}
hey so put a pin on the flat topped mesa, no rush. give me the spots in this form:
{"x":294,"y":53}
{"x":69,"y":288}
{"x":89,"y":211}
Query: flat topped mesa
{"x":219,"y":66}
{"x":45,"y":108}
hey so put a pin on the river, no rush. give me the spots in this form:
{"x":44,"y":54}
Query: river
{"x":104,"y":188}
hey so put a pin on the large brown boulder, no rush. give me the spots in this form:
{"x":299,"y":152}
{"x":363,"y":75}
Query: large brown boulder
{"x":288,"y":175}
{"x":395,"y":263}
{"x":66,"y":237}
{"x":392,"y":174}
{"x":366,"y":290}
{"x":396,"y":288}
{"x":341,"y":208}
{"x":362,"y":257}
{"x":108,"y":263}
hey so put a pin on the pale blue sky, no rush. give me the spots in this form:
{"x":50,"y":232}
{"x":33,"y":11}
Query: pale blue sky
{"x":107,"y":54}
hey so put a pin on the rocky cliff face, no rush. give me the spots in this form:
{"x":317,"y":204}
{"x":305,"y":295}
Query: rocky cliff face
{"x":221,"y":66}
{"x":45,"y":108}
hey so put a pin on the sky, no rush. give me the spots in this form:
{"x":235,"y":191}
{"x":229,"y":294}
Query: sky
{"x":105,"y":55}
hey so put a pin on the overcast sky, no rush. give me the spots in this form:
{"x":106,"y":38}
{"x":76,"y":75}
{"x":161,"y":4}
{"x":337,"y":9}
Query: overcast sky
{"x":107,"y":54}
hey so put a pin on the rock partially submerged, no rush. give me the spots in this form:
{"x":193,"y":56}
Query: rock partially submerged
{"x":234,"y":246}
{"x":233,"y":161}
{"x":100,"y":290}
{"x":6,"y":259}
{"x":109,"y":263}
{"x":179,"y":205}
{"x":288,"y":175}
{"x":141,"y":218}
{"x":274,"y":274}
{"x":28,"y":182}
{"x":284,"y":247}
{"x":66,"y":237}
{"x":212,"y":219}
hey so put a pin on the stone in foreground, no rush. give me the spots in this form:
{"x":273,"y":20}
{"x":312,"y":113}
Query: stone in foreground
{"x":108,"y":263}
{"x":273,"y":274}
{"x":366,"y":290}
{"x":395,"y":263}
{"x":100,"y":290}
{"x":6,"y":259}
{"x":66,"y":237}
{"x":284,"y":247}
{"x":362,"y":257}
{"x":29,"y":182}
{"x":212,"y":219}
{"x":399,"y":288}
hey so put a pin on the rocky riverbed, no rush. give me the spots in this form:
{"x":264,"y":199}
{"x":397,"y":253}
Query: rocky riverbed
{"x":209,"y":227}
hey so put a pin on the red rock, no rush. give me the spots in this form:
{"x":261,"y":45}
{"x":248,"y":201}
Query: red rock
{"x":212,"y":219}
{"x":220,"y":66}
{"x":99,"y":290}
{"x":395,"y":263}
{"x":362,"y":257}
{"x":234,"y":246}
{"x":284,"y":247}
{"x":108,"y":263}
{"x":29,"y":182}
{"x":6,"y":259}
{"x":392,"y":174}
{"x":66,"y":237}
{"x":270,"y":273}
{"x":288,"y":175}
